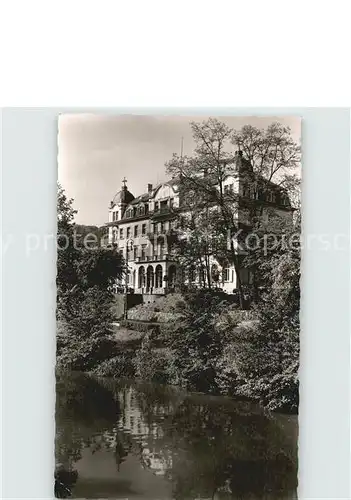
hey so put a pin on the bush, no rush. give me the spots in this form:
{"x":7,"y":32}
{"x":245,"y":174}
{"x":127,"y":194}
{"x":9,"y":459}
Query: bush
{"x":196,"y":342}
{"x":151,"y":364}
{"x":278,"y":393}
{"x":139,"y":327}
{"x":142,"y":312}
{"x":163,"y":309}
{"x":86,"y":313}
{"x":118,"y":366}
{"x":227,"y":371}
{"x":167,"y":317}
{"x":84,"y":354}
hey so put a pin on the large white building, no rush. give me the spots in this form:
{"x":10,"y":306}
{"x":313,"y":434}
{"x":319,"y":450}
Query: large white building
{"x":144,"y":228}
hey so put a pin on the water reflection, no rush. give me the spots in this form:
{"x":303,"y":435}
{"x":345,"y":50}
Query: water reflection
{"x":142,"y":441}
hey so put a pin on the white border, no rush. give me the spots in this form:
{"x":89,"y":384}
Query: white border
{"x":29,"y":141}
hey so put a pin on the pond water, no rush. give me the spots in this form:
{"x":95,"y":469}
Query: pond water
{"x":128,"y":440}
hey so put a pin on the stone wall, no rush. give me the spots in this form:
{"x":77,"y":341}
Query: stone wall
{"x":134,"y":299}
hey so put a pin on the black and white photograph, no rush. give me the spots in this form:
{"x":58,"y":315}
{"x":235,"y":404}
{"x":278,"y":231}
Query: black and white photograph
{"x":178,"y":307}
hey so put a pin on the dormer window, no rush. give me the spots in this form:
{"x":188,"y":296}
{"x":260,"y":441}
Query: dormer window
{"x":141,"y":210}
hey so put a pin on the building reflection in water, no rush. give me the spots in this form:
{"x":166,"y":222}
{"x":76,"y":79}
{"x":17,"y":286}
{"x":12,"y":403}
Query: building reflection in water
{"x":203,"y":447}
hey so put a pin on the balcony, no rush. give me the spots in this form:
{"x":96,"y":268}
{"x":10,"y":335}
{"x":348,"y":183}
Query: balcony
{"x":169,"y":233}
{"x":154,"y":258}
{"x":163,"y":212}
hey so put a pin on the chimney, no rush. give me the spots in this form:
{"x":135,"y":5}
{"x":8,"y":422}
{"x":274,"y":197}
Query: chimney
{"x":242,"y":164}
{"x":149,"y":188}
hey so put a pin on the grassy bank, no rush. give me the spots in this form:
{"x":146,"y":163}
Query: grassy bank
{"x":207,"y":345}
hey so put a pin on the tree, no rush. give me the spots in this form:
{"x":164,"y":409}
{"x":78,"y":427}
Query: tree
{"x":66,"y":252}
{"x":196,"y":343}
{"x":267,"y":361}
{"x":203,"y":176}
{"x":84,"y":298}
{"x":273,"y":155}
{"x":197,"y":243}
{"x":272,"y":152}
{"x":78,"y":265}
{"x":265,"y":162}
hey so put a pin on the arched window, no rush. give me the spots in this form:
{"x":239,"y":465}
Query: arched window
{"x":158,"y":275}
{"x":172,"y":276}
{"x":150,"y":277}
{"x":141,"y":276}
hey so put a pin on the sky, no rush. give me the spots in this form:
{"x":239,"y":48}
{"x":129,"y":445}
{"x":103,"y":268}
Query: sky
{"x":95,"y":152}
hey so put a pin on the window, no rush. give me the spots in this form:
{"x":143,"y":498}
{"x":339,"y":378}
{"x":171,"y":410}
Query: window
{"x":135,"y":251}
{"x":114,"y":216}
{"x":143,"y":229}
{"x":227,"y":274}
{"x":134,"y":212}
{"x":162,"y":227}
{"x":156,"y":206}
{"x":141,"y":210}
{"x":136,"y":231}
{"x":129,"y":214}
{"x":121,"y":234}
{"x":128,"y":232}
{"x":171,"y":202}
{"x":143,"y":251}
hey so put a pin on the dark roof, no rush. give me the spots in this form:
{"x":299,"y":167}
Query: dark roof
{"x":143,"y":197}
{"x":123,"y":196}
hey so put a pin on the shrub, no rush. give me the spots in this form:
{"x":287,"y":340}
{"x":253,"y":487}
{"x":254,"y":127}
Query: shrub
{"x":139,"y":327}
{"x":151,"y":364}
{"x":172,"y":303}
{"x":167,"y":317}
{"x":85,"y":354}
{"x":118,"y":366}
{"x":227,"y":372}
{"x":196,"y":342}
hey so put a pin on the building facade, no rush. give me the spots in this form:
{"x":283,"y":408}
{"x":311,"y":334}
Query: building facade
{"x":145,"y":227}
